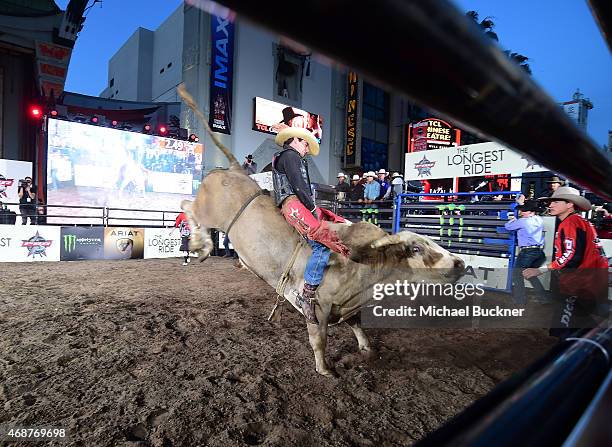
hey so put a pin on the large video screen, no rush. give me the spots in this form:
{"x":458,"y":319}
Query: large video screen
{"x":272,"y":116}
{"x":102,"y":167}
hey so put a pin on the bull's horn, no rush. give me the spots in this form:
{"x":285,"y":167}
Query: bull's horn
{"x":387,"y":240}
{"x":188,"y":99}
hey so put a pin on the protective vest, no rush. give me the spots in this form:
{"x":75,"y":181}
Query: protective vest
{"x":282,"y":187}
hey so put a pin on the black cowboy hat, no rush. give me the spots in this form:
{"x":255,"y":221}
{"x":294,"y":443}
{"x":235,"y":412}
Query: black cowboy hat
{"x":249,"y":157}
{"x":289,"y":114}
{"x":529,"y":205}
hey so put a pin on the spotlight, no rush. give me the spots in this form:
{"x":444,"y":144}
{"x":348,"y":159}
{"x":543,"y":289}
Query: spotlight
{"x":53,"y":113}
{"x":163,"y":130}
{"x":114,"y":123}
{"x":94,"y":120}
{"x":193,"y":138}
{"x":35,"y":111}
{"x":146,"y":128}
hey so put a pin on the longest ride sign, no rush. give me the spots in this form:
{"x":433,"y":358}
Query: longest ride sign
{"x":467,"y":161}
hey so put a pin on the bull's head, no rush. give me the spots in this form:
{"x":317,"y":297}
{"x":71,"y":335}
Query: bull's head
{"x":420,"y":252}
{"x":219,"y":199}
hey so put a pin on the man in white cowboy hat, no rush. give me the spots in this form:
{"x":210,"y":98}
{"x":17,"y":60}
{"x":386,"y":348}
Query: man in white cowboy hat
{"x":342,"y":186}
{"x":385,"y":187}
{"x":371,"y":189}
{"x":293,"y":195}
{"x":356,"y":194}
{"x":397,"y":183}
{"x":578,"y":258}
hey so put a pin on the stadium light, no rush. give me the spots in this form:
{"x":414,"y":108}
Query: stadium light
{"x":163,"y":130}
{"x":36,"y":111}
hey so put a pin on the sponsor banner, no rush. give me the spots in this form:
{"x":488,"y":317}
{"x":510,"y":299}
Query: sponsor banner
{"x":162,"y":243}
{"x":432,"y":133}
{"x":78,"y":243}
{"x":351,"y":119}
{"x":221,"y":74}
{"x":467,"y":161}
{"x":264,"y":180}
{"x":271,"y":117}
{"x":123,"y":243}
{"x":11,"y":172}
{"x":491,"y":272}
{"x":29,"y":243}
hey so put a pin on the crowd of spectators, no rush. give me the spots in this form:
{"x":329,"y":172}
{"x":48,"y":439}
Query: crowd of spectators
{"x":369,"y":188}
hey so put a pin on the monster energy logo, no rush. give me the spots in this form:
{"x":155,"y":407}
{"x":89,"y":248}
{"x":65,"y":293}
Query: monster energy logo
{"x":69,"y":242}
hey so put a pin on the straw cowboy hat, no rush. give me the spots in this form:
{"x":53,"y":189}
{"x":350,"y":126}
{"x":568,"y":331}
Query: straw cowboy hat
{"x":356,"y":177}
{"x":569,"y":195}
{"x":382,"y":171}
{"x":370,"y":174}
{"x":298,"y":132}
{"x":396,"y":174}
{"x":341,"y":174}
{"x":555,"y":179}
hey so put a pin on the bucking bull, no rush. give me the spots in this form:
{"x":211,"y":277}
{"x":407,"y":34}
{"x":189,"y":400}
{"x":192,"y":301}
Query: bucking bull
{"x":273,"y":250}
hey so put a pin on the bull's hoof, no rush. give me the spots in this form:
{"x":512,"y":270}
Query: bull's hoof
{"x":369,"y":354}
{"x":326,"y":372}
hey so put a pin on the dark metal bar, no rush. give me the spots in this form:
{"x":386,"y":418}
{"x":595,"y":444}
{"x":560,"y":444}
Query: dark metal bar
{"x":430,"y":51}
{"x":602,"y":11}
{"x":539,"y":406}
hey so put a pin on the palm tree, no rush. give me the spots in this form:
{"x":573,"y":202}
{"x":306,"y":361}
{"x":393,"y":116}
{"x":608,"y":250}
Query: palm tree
{"x":487,"y":26}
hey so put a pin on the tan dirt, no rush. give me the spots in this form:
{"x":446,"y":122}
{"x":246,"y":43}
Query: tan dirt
{"x":151,"y":353}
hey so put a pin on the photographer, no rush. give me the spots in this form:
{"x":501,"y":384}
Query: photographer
{"x":27,"y":202}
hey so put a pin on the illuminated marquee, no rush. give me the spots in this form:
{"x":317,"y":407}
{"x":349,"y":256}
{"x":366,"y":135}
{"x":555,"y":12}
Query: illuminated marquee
{"x":351,"y":120}
{"x":432,"y":133}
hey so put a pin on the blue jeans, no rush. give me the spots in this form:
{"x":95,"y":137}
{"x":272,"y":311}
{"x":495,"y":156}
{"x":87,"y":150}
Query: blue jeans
{"x":315,"y":266}
{"x":527,"y":258}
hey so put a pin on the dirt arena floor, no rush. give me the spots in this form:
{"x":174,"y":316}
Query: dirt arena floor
{"x":151,"y":353}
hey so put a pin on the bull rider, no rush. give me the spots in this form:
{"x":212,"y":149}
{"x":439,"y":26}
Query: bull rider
{"x":294,"y":197}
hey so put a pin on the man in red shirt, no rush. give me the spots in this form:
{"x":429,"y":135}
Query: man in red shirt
{"x":579,"y":260}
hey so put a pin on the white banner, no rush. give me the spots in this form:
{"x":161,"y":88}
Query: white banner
{"x":30,"y":243}
{"x":467,"y":161}
{"x":11,"y":172}
{"x":489,"y":271}
{"x":264,"y":180}
{"x":162,"y":243}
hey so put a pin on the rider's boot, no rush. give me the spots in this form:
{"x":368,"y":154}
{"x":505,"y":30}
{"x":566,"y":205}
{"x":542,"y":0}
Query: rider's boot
{"x":308,"y":303}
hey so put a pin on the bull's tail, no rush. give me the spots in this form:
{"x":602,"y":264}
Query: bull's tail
{"x":188,"y":99}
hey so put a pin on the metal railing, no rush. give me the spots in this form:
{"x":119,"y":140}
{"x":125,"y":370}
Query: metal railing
{"x":96,"y":215}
